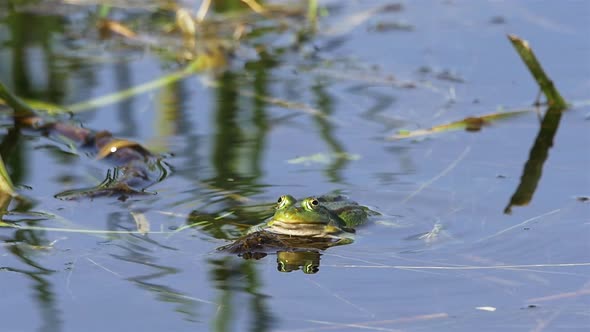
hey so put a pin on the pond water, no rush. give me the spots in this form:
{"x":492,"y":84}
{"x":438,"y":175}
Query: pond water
{"x":305,"y":118}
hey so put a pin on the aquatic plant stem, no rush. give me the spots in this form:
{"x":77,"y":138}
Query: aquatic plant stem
{"x":554,"y":99}
{"x":539,"y":153}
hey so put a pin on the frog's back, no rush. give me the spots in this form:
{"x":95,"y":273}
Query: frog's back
{"x":349,"y":211}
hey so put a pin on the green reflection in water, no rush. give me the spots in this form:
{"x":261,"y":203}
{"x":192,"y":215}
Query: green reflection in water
{"x":138,"y":249}
{"x":325,"y":104}
{"x":173,"y":109}
{"x":241,"y":128}
{"x":230,"y":223}
{"x":31,"y":43}
{"x":25,"y":245}
{"x":25,"y":40}
{"x":228,"y":134}
{"x":533,"y":168}
{"x":232,"y":277}
{"x":260,"y":70}
{"x":122,"y":80}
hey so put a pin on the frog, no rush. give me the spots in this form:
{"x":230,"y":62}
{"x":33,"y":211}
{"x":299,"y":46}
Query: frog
{"x":309,"y":218}
{"x":313,"y":223}
{"x":324,"y":216}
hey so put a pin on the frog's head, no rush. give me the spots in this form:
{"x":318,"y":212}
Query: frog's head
{"x":308,"y":219}
{"x":310,"y":211}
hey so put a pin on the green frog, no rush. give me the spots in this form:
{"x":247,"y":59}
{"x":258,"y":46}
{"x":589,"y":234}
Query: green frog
{"x":324,"y":216}
{"x":314,"y":223}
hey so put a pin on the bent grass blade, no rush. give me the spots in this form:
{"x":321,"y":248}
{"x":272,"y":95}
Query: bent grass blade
{"x":474,"y":123}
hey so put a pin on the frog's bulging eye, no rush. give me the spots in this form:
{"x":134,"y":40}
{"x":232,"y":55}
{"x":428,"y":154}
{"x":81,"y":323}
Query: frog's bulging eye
{"x":280,"y":199}
{"x":315,"y":202}
{"x":310,"y":268}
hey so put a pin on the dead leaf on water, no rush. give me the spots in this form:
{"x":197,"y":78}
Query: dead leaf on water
{"x":471,"y":123}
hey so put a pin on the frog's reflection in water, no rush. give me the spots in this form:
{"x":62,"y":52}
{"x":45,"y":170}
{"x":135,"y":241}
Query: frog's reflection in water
{"x":289,"y":261}
{"x":293,"y":252}
{"x":306,"y":261}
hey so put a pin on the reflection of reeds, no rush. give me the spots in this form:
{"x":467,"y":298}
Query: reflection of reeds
{"x":24,"y":245}
{"x":232,"y":278}
{"x":6,"y":186}
{"x":539,"y":153}
{"x":533,"y":168}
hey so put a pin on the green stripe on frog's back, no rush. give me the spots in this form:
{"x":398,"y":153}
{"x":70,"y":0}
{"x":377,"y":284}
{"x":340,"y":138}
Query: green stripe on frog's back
{"x":353,"y":216}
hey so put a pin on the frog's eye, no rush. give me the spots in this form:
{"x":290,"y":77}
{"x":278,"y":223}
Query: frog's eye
{"x":310,"y":203}
{"x":310,"y":268}
{"x":284,"y":201}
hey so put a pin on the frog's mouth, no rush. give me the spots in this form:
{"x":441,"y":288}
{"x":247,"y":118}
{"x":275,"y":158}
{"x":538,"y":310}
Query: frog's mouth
{"x":303,"y":229}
